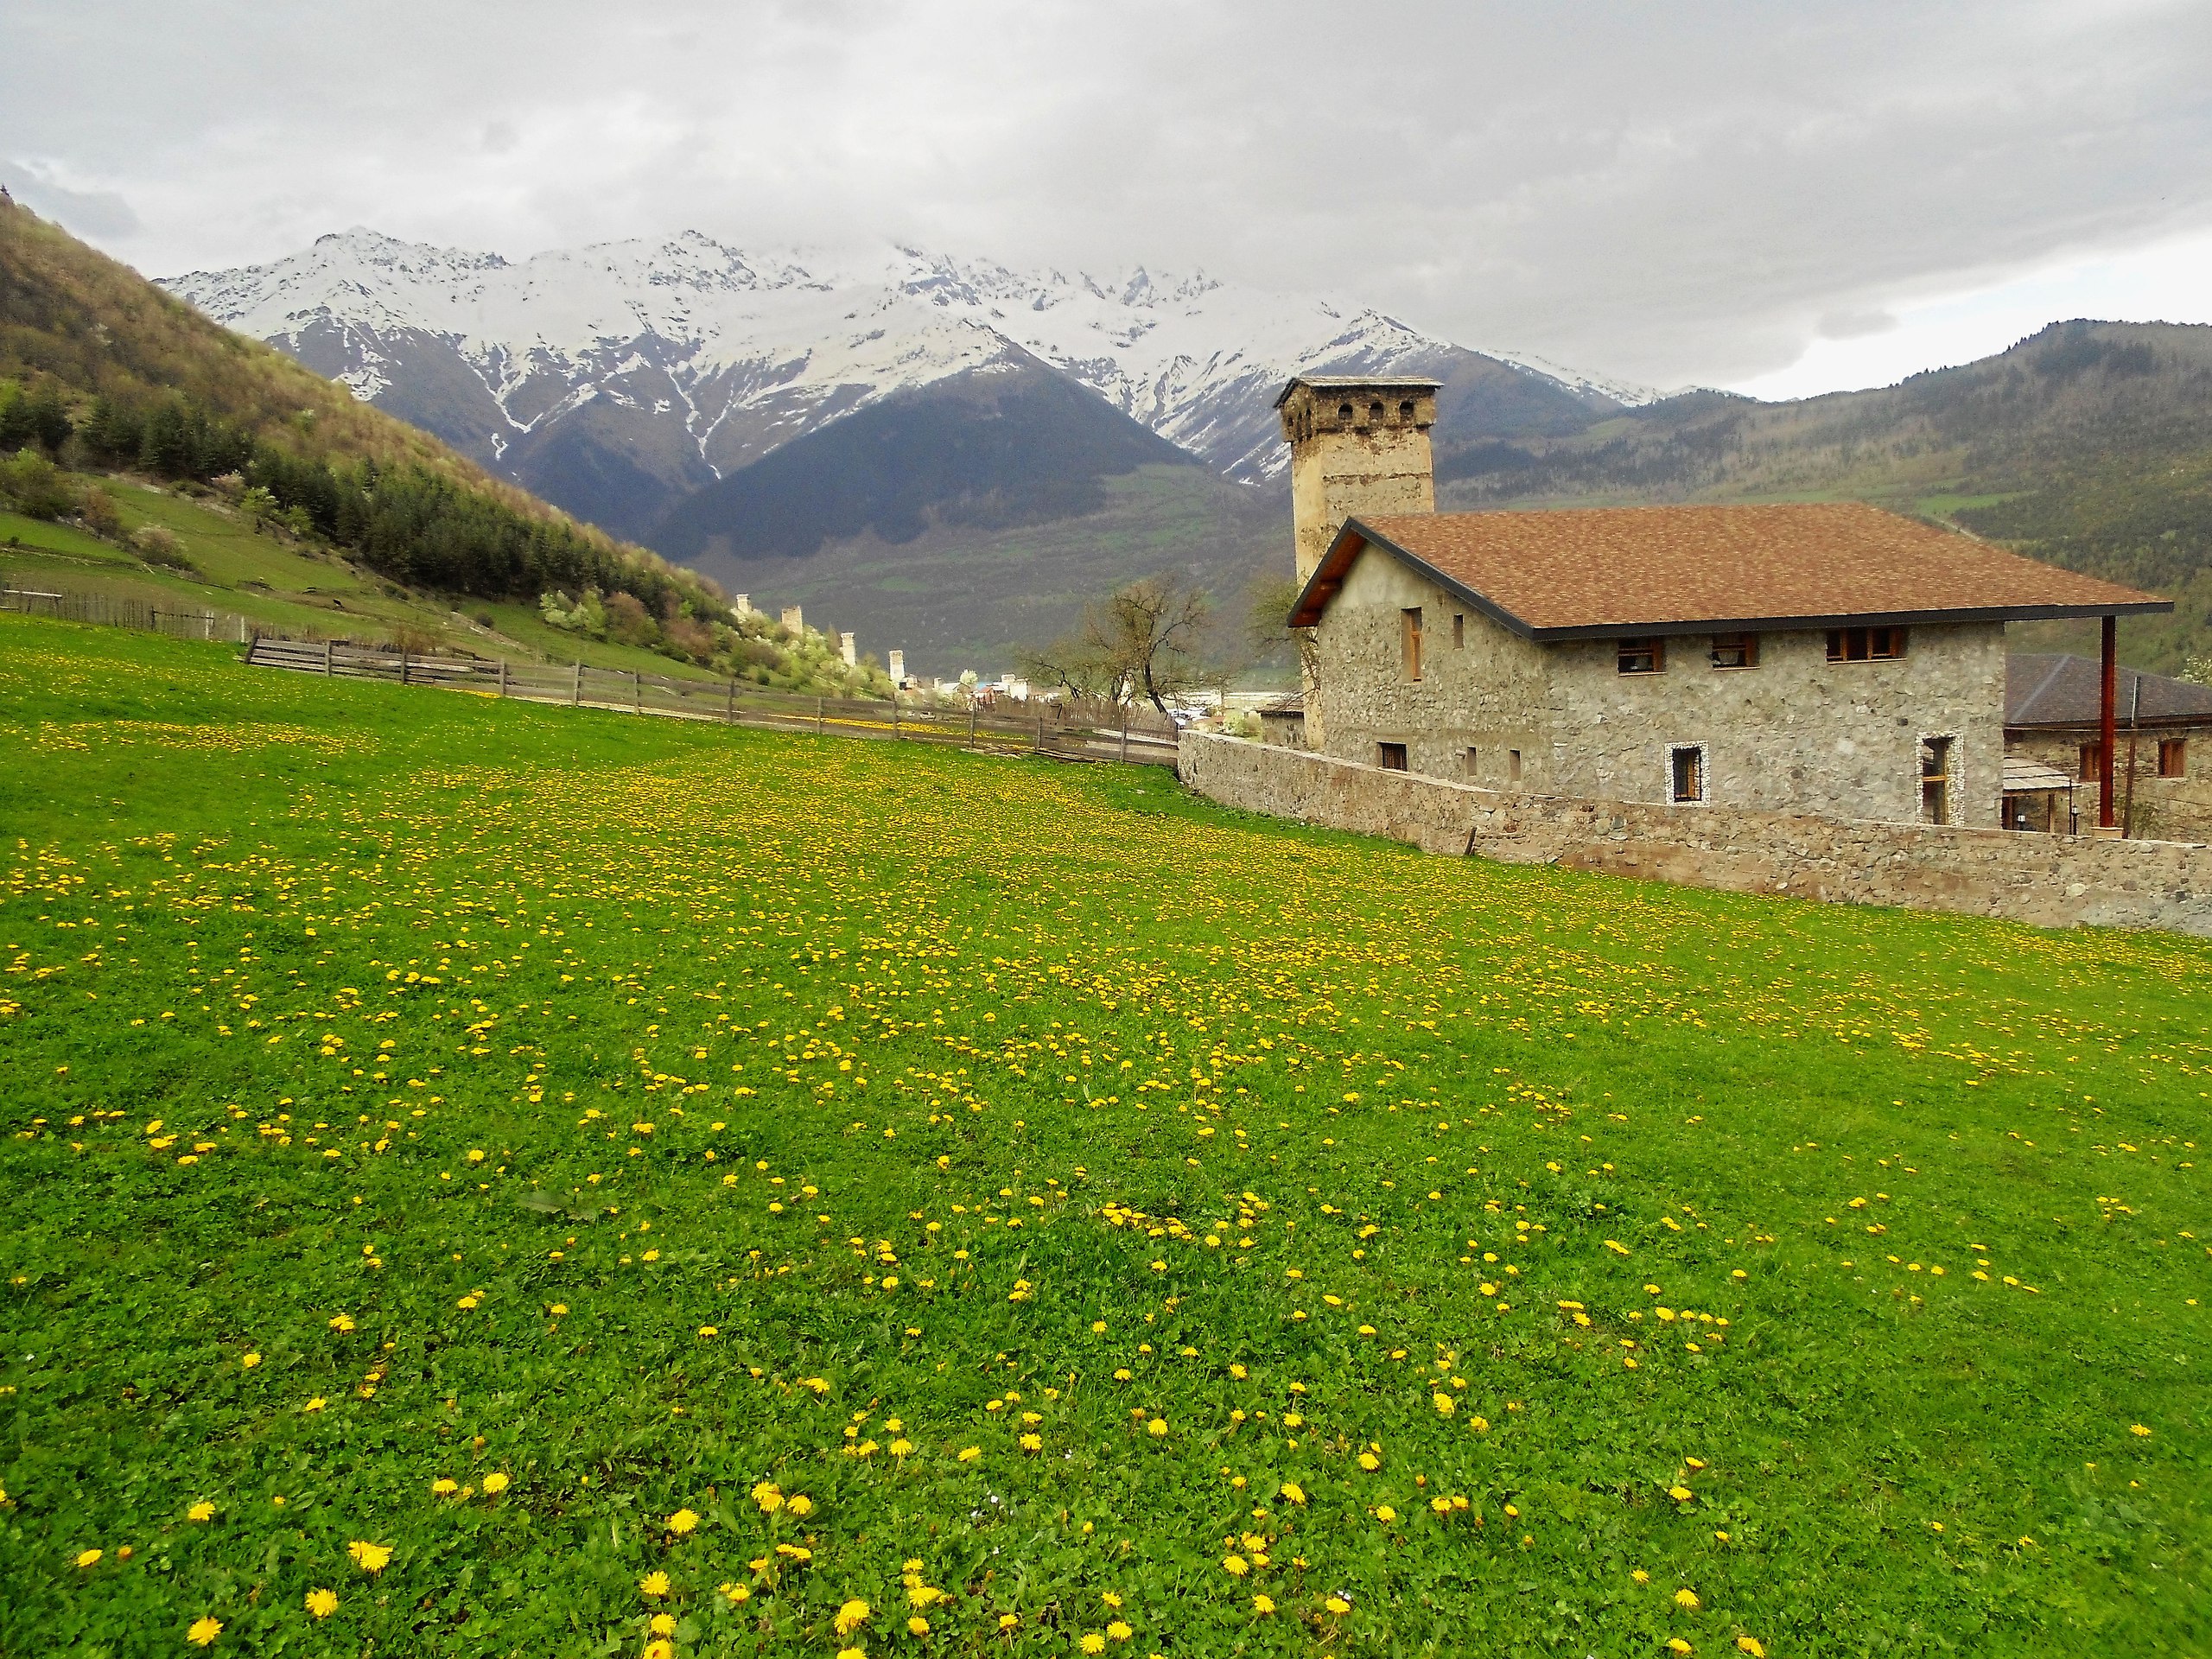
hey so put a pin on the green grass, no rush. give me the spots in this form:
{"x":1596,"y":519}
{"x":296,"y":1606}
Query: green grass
{"x":401,"y":1087}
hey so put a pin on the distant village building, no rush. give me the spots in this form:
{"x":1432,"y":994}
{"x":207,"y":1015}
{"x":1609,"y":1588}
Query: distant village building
{"x":2162,"y":736}
{"x":899,"y":668}
{"x":794,"y":618}
{"x":1824,"y":658}
{"x":742,"y":604}
{"x":849,"y":648}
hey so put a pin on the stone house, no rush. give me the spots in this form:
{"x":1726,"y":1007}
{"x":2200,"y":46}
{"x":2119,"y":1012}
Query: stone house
{"x":1829,"y":658}
{"x":2162,"y":741}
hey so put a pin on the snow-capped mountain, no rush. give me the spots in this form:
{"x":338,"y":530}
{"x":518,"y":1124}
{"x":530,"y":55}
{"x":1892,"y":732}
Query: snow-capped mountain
{"x":618,"y":379}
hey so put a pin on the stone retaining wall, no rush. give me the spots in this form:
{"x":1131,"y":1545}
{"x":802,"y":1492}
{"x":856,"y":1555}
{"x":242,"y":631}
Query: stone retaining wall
{"x":2047,"y":881}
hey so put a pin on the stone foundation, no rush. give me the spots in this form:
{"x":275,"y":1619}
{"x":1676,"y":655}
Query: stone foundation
{"x":2046,"y":881}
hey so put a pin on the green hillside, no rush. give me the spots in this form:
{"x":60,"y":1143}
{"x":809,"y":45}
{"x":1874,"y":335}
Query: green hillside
{"x":489,"y":1178}
{"x":144,"y":449}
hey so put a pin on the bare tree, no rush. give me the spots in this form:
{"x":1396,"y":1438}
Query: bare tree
{"x":1145,"y":640}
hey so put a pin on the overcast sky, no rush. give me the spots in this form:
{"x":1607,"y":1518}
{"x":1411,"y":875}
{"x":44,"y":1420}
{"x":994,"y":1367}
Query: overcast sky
{"x":1787,"y":196}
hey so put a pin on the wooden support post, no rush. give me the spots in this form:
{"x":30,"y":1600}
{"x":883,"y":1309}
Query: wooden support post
{"x":2107,"y":735}
{"x":729,"y":704}
{"x":894,"y":716}
{"x":971,"y":725}
{"x":576,"y":697}
{"x":1125,"y":731}
{"x":1041,"y":734}
{"x":637,"y":693}
{"x":503,"y":677}
{"x":403,"y":664}
{"x":329,"y":647}
{"x":819,"y":709}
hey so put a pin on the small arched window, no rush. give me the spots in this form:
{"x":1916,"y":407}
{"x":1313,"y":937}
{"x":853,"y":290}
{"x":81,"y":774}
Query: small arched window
{"x":1406,"y":411}
{"x":1374,"y":414}
{"x":1343,"y":413}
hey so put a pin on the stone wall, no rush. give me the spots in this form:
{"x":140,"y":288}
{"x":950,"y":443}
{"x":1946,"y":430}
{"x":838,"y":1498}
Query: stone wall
{"x":2047,"y":881}
{"x":1797,"y":734}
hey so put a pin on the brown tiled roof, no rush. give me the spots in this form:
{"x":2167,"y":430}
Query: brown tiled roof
{"x":2055,"y":689}
{"x":1606,"y":570}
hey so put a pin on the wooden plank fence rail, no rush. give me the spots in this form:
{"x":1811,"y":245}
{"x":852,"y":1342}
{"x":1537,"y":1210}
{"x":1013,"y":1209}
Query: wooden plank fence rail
{"x":119,"y":611}
{"x":1084,"y":735}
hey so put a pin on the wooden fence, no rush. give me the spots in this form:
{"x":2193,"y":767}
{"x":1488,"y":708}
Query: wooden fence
{"x":1039,"y":727}
{"x":119,"y":611}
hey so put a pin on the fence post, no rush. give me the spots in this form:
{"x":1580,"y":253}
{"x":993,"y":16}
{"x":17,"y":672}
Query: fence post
{"x":820,"y":705}
{"x":1125,"y":732}
{"x":971,"y":725}
{"x":403,"y":664}
{"x":327,"y":648}
{"x":894,"y":716}
{"x":637,"y":693}
{"x":1041,"y":734}
{"x":576,"y":697}
{"x":503,"y":677}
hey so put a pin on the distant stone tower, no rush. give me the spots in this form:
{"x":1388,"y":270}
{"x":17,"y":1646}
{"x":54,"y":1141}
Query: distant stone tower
{"x":1358,"y":447}
{"x":849,"y":648}
{"x":794,"y":618}
{"x":898,"y":667}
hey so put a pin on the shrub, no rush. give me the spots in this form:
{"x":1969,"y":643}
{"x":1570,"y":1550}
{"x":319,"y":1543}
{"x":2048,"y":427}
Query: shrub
{"x":157,"y":544}
{"x":629,"y":623}
{"x":35,"y":487}
{"x":97,"y":511}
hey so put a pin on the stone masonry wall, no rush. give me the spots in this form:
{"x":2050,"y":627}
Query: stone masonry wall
{"x":1489,"y":696}
{"x":1796,"y":733}
{"x":2046,"y":881}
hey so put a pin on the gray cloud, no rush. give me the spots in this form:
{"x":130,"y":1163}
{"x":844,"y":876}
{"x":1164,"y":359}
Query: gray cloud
{"x":98,"y":215}
{"x":1692,"y":192}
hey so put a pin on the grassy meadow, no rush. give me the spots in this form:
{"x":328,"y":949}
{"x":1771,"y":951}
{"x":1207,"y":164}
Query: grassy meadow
{"x":490,"y":1179}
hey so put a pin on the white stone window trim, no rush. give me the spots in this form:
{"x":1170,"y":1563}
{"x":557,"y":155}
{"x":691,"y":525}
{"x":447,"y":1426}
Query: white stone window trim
{"x":1704,"y":795}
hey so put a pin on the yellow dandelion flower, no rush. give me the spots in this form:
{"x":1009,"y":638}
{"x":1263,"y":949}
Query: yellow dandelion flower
{"x":370,"y":1558}
{"x":90,"y":1557}
{"x":494,"y":1484}
{"x":769,"y":1497}
{"x":2137,"y":1428}
{"x":800,"y":1504}
{"x":1292,"y":1493}
{"x":1263,"y":1604}
{"x":1675,"y":1645}
{"x":681,"y":1522}
{"x":1157,"y":1427}
{"x":917,"y":1625}
{"x":653,"y":1584}
{"x":204,"y":1631}
{"x":1093,"y":1642}
{"x":663,"y":1624}
{"x":249,"y":1362}
{"x":342,"y":1324}
{"x":1752,"y":1645}
{"x":1235,"y":1565}
{"x":203,"y":1510}
{"x":1680,"y":1494}
{"x":1687,"y":1600}
{"x":659,"y":1648}
{"x":322,"y":1603}
{"x":1007,"y":1621}
{"x":737,"y":1592}
{"x":1120,"y":1630}
{"x":969,"y":1453}
{"x":1444,"y":1403}
{"x":851,"y":1617}
{"x":852,"y":1653}
{"x":443,"y":1485}
{"x":1338,"y":1604}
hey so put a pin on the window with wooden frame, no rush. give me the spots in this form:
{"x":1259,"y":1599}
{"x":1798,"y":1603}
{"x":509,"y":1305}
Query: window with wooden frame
{"x":1866,"y":645}
{"x":1936,"y":779}
{"x":2093,"y":762}
{"x":1473,"y":763}
{"x":1409,"y":640}
{"x":1644,"y":655}
{"x":1735,"y":651}
{"x":2173,"y":757}
{"x":1459,"y":631}
{"x":1391,"y":757}
{"x":1686,"y":773}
